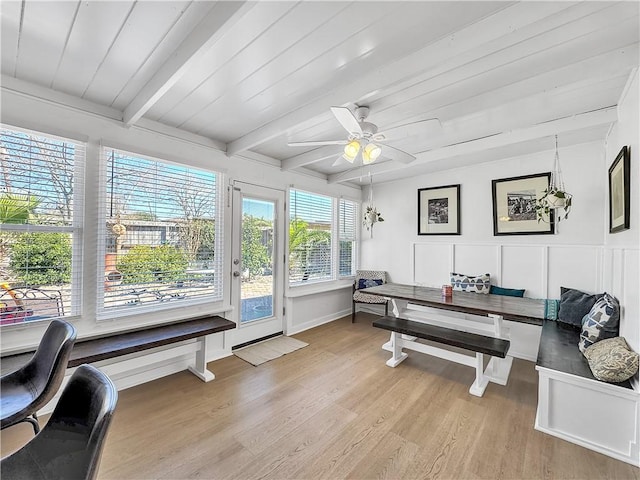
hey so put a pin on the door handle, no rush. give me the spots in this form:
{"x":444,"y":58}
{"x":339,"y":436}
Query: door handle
{"x":236,"y":273}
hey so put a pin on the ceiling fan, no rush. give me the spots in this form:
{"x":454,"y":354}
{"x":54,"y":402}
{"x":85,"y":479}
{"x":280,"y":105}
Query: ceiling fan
{"x":364,"y":137}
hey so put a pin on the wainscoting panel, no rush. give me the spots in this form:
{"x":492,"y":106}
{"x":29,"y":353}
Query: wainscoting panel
{"x":524,"y":266}
{"x":477,"y":259}
{"x":574,"y":266}
{"x":432,"y":264}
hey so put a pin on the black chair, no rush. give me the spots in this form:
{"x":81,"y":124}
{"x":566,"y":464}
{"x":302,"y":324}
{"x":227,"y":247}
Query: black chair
{"x":70,"y":444}
{"x":28,"y":389}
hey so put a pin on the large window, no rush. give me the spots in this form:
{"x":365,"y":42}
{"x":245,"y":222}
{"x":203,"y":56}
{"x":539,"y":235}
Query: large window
{"x":316,"y":253}
{"x":41,"y":185}
{"x":161,"y":241}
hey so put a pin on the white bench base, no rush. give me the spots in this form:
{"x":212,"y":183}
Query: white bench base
{"x":497,"y":370}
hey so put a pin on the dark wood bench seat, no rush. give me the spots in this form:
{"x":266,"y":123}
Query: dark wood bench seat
{"x":104,"y":348}
{"x":138,"y":340}
{"x":559,"y":351}
{"x":404,"y":332}
{"x":496,"y":347}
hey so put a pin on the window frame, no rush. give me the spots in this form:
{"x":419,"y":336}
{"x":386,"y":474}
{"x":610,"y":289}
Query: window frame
{"x":217,"y":298}
{"x":335,"y":241}
{"x":76,"y":228}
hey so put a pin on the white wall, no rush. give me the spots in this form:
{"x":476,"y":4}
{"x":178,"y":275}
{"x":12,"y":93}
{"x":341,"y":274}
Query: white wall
{"x":624,"y":246}
{"x":582,"y":254}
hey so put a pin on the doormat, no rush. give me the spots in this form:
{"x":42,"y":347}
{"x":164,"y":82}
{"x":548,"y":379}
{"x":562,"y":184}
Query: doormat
{"x":262,"y":352}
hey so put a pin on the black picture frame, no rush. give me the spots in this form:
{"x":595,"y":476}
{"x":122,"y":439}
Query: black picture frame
{"x":620,"y":192}
{"x":514,"y":201}
{"x":439,"y":210}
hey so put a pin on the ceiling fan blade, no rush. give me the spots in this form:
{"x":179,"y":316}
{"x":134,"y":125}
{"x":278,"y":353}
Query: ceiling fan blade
{"x":412,"y":129}
{"x":348,"y":120}
{"x":396,"y":154}
{"x":318,"y":143}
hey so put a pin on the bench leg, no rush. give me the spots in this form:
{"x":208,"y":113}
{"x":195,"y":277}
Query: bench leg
{"x":398,"y":355}
{"x":480,"y":385}
{"x":498,"y":370}
{"x":199,"y":369}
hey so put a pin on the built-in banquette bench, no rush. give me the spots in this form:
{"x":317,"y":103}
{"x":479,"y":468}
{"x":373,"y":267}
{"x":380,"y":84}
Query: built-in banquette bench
{"x":133,"y":342}
{"x":575,"y":406}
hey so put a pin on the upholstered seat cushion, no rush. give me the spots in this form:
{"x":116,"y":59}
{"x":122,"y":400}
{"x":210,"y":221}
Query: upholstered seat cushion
{"x":367,"y":298}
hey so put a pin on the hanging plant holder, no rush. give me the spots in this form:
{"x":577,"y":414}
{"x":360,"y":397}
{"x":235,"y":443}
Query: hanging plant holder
{"x":555,"y":197}
{"x":371,"y":214}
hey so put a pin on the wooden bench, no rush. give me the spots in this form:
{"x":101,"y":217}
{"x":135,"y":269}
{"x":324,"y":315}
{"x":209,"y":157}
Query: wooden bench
{"x":402,"y":331}
{"x":575,"y":406}
{"x":134,"y":341}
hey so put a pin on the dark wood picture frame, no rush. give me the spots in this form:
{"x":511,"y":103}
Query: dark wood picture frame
{"x":439,"y":210}
{"x":620,"y":192}
{"x":514,"y":201}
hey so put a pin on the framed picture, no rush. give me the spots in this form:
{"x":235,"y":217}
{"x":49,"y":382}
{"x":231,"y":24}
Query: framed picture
{"x":619,"y":192}
{"x":439,"y":210}
{"x":514,"y":201}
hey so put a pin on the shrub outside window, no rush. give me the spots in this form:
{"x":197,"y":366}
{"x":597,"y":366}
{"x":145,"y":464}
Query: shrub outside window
{"x":162,"y":234}
{"x":41,"y":196}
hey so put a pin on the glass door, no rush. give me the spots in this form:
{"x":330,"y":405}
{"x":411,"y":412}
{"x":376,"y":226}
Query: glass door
{"x":258,"y":261}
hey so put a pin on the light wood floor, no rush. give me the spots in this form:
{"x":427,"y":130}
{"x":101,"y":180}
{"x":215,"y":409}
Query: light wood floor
{"x":334,"y":410}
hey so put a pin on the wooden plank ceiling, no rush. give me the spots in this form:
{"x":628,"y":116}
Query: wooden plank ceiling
{"x":502,"y":77}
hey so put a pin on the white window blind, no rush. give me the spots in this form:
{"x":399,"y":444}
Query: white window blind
{"x":347,"y":220}
{"x":310,"y":237}
{"x":161,"y":244}
{"x":41,"y":204}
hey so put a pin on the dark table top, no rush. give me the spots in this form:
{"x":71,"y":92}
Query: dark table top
{"x":517,"y":309}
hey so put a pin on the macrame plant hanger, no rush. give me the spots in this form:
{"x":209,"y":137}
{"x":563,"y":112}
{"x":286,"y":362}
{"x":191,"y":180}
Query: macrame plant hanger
{"x":371,"y":215}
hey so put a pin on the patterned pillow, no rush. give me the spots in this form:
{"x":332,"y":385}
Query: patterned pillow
{"x":601,"y":322}
{"x":551,"y":307}
{"x":469,"y":283}
{"x":611,"y":360}
{"x":368,"y":282}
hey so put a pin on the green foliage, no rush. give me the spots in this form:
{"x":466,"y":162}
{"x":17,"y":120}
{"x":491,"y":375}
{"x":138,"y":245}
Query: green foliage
{"x":41,"y":258}
{"x":17,"y":207}
{"x":144,"y":263}
{"x":305,"y":244}
{"x":255,"y":254}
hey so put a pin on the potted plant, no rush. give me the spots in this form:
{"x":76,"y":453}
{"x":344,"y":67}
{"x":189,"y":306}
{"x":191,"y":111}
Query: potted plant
{"x":371,"y":217}
{"x":553,"y":199}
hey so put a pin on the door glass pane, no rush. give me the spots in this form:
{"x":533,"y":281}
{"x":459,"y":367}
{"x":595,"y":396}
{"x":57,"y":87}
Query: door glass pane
{"x":257,"y":259}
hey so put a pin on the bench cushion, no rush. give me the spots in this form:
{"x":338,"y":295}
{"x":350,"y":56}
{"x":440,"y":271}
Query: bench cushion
{"x":496,"y":347}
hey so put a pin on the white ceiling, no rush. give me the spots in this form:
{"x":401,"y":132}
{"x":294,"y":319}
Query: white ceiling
{"x":502,"y":77}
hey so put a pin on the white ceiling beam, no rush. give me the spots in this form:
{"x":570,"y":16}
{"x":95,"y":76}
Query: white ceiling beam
{"x":307,"y":158}
{"x":220,"y":19}
{"x":575,"y":122}
{"x":494,"y":33}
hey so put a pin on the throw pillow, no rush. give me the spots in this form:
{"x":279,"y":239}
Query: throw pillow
{"x":510,"y":292}
{"x":611,"y":360}
{"x":601,"y":322}
{"x":551,"y":306}
{"x":368,"y":282}
{"x":470,"y":283}
{"x":574,"y":305}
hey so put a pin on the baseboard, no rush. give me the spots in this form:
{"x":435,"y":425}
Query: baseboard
{"x":317,"y":322}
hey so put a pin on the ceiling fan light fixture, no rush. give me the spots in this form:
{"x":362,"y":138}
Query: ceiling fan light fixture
{"x":370,"y":153}
{"x":351,"y":150}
